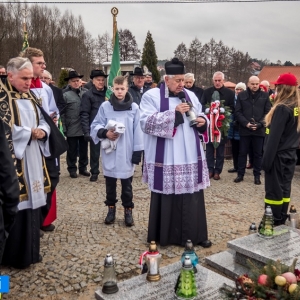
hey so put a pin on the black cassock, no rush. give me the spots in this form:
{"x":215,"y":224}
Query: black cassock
{"x":174,"y":219}
{"x":23,"y":244}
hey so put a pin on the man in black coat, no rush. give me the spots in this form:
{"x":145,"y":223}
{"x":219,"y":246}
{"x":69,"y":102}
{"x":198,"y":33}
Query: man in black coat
{"x":189,"y":84}
{"x":215,"y":167}
{"x":251,"y":108}
{"x":90,"y":104}
{"x":9,"y":190}
{"x":138,"y":88}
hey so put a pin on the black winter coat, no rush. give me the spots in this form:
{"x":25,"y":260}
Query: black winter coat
{"x":197,"y":91}
{"x":136,"y":94}
{"x":225,"y":94}
{"x":59,"y":99}
{"x":252,"y":106}
{"x":90,"y":103}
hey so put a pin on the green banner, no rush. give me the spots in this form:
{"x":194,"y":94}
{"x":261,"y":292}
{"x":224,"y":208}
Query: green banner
{"x":115,"y":68}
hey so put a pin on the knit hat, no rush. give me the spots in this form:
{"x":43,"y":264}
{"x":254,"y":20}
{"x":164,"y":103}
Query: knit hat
{"x":287,"y":79}
{"x":241,"y":85}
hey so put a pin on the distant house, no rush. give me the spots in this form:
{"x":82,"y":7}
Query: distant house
{"x":126,"y":66}
{"x":271,"y":73}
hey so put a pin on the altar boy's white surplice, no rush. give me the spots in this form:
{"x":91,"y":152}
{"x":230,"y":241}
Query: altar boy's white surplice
{"x":30,"y":151}
{"x":118,"y":164}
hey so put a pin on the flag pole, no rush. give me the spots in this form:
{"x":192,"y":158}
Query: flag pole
{"x":115,"y":68}
{"x":25,"y":35}
{"x":114,"y":11}
{"x":24,"y":14}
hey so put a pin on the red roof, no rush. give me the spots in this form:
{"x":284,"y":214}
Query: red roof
{"x":271,"y":73}
{"x":229,"y":84}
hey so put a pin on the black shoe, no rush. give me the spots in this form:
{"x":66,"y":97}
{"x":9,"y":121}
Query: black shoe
{"x":257,"y":180}
{"x":84,"y":173}
{"x":111,"y":215}
{"x":50,"y":227}
{"x":232,"y":170}
{"x":41,"y":233}
{"x":73,"y":175}
{"x":128,"y":216}
{"x":40,"y":258}
{"x":94,"y":177}
{"x":205,"y":244}
{"x":239,"y":179}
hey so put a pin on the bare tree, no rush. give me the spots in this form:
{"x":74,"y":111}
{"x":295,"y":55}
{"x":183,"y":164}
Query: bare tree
{"x":128,"y":46}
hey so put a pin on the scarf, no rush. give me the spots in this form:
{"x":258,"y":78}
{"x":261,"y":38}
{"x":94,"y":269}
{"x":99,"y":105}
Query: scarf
{"x":121,"y":105}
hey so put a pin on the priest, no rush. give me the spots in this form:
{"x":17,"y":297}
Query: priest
{"x":27,"y":133}
{"x":175,"y":167}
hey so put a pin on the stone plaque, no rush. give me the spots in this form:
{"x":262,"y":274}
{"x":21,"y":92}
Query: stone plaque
{"x":137,"y":288}
{"x":285,"y":246}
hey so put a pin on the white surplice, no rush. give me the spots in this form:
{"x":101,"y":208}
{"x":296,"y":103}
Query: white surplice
{"x":180,"y":167}
{"x":117,"y":164}
{"x":31,"y":154}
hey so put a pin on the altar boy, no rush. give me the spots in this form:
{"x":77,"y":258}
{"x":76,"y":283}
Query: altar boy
{"x":127,"y":149}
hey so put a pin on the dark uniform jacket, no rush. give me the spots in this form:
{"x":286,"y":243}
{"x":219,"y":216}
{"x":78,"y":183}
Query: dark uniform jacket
{"x":225,"y":94}
{"x":71,"y":118}
{"x":197,"y":91}
{"x":136,"y":94}
{"x":90,"y":103}
{"x":252,"y":106}
{"x":281,"y":135}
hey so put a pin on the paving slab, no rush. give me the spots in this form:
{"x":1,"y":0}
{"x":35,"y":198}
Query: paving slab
{"x":137,"y":288}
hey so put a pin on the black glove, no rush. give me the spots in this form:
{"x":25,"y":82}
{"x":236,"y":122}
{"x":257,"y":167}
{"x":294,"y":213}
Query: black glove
{"x":136,"y":157}
{"x":87,"y":137}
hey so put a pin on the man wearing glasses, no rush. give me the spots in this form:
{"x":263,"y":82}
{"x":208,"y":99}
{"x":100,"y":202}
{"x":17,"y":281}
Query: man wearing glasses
{"x":138,"y":87}
{"x":215,"y":166}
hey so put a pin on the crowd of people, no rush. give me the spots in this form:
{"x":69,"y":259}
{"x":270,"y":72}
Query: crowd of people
{"x":140,"y":122}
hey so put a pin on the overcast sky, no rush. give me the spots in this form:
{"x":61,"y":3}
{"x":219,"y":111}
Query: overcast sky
{"x":266,"y":30}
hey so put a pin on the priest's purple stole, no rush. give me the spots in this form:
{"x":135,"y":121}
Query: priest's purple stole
{"x":160,"y":145}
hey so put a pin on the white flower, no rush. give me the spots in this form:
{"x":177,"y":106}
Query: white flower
{"x":215,"y":111}
{"x":207,"y":110}
{"x":217,"y":101}
{"x":222,"y":110}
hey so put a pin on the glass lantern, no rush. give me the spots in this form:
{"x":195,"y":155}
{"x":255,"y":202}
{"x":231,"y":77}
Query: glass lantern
{"x":189,"y":250}
{"x":153,"y":258}
{"x":109,"y":277}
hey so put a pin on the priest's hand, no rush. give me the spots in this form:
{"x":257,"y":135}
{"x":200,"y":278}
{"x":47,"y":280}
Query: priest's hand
{"x":37,"y":133}
{"x":182,"y":107}
{"x":200,"y":122}
{"x":111,"y":135}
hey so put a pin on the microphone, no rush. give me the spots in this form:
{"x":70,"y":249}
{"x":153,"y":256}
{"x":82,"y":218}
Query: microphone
{"x":181,"y":96}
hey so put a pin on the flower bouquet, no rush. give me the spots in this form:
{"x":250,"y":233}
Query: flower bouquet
{"x":274,"y":281}
{"x":219,"y":116}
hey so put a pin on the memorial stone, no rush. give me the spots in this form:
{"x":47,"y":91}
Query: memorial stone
{"x":136,"y":288}
{"x":284,"y":246}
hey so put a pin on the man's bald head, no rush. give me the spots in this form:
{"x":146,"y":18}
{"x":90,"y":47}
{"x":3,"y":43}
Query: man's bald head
{"x":253,"y":83}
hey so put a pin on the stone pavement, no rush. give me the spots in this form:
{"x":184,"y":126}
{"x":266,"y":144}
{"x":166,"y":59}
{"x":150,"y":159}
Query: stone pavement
{"x":73,"y":254}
